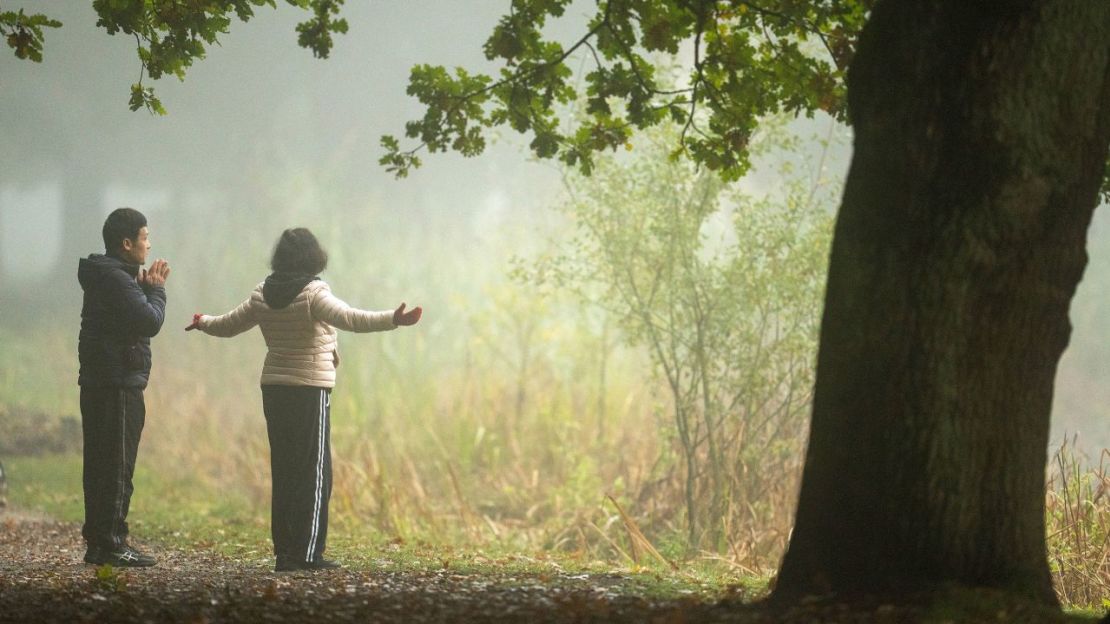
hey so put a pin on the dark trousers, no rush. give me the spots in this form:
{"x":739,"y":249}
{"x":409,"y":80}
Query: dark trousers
{"x":112,"y":420}
{"x":298,"y":422}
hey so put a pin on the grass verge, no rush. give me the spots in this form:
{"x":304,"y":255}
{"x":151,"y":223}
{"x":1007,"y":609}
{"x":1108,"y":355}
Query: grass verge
{"x":183,"y":514}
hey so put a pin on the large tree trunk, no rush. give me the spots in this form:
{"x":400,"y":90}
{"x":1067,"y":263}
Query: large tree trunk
{"x":981,"y":133}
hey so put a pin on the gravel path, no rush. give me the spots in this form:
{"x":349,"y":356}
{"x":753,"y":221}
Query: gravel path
{"x":42,"y":579}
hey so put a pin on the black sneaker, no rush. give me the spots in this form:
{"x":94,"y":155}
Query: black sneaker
{"x":286,"y":565}
{"x":123,"y":557}
{"x":94,"y":555}
{"x":292,"y":566}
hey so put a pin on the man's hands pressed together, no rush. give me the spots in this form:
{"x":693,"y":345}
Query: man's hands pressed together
{"x":156,"y":275}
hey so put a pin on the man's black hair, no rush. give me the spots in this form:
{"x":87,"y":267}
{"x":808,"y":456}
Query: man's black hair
{"x":122,"y":223}
{"x":298,"y":251}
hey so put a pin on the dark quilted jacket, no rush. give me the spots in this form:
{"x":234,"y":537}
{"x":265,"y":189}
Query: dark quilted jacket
{"x":118,"y":318}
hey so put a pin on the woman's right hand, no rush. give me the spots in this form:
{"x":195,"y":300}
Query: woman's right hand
{"x":195,"y":324}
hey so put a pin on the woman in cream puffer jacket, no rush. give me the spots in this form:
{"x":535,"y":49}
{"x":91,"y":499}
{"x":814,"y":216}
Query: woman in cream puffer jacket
{"x":299,"y":316}
{"x":301,"y":335}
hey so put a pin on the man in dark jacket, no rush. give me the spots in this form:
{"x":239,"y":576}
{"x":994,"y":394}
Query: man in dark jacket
{"x":124,"y":306}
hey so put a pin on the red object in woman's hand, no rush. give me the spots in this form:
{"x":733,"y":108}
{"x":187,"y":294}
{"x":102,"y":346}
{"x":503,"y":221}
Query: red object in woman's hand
{"x":195,"y":324}
{"x":400,"y":317}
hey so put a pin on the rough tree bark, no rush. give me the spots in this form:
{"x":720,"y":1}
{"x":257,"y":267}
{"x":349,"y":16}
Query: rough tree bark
{"x":981,"y":134}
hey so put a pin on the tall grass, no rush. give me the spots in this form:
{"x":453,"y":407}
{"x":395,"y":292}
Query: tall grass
{"x":518,"y":445}
{"x":1077,"y":504}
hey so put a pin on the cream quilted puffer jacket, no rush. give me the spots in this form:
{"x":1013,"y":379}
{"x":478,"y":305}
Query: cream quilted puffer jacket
{"x":301,"y":337}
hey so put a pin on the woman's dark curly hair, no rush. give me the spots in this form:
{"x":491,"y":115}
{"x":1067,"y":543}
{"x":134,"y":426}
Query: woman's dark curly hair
{"x":298,"y":251}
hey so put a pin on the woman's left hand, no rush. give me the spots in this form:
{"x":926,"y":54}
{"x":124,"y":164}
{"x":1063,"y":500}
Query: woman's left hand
{"x":400,"y":317}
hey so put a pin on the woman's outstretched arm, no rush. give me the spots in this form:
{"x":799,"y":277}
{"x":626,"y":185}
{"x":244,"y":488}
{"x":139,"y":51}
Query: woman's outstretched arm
{"x":235,"y":322}
{"x":334,"y":311}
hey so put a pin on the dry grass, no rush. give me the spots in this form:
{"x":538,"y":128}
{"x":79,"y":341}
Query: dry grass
{"x":476,"y":458}
{"x":466,"y":468}
{"x":1077,"y":505}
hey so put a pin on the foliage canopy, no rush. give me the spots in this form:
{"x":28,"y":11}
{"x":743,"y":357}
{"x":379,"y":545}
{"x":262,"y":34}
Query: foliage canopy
{"x":170,"y":36}
{"x":743,"y":61}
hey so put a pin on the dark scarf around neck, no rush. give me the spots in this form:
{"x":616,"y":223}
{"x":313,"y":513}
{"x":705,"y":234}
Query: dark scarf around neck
{"x":281,"y":288}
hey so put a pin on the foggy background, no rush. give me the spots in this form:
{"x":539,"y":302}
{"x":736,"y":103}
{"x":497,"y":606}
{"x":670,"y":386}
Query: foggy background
{"x":262,"y":136}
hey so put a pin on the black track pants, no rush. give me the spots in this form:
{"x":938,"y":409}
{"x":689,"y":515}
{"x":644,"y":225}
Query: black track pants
{"x":112,"y":420}
{"x":298,"y":422}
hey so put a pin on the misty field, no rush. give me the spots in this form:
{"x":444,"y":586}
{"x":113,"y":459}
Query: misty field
{"x":543,"y":412}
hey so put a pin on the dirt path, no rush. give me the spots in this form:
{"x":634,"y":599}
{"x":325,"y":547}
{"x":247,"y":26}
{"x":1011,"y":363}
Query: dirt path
{"x":42,"y":579}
